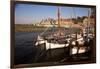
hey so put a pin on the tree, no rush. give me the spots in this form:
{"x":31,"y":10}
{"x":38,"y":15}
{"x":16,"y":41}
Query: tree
{"x":79,"y":19}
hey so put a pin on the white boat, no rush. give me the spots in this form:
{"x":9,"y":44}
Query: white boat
{"x":49,"y":45}
{"x":53,"y":45}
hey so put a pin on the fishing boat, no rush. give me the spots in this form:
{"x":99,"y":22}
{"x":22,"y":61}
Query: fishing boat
{"x":60,"y":40}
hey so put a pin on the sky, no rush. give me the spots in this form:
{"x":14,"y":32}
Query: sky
{"x":29,"y":13}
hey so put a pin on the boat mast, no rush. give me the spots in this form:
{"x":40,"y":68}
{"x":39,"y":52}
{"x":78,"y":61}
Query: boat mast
{"x":59,"y":20}
{"x":88,"y":21}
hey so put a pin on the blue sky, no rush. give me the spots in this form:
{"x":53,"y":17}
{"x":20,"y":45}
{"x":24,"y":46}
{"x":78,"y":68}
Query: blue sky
{"x":28,"y":14}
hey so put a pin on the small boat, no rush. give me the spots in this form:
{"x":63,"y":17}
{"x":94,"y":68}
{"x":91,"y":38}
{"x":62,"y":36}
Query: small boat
{"x":51,"y":43}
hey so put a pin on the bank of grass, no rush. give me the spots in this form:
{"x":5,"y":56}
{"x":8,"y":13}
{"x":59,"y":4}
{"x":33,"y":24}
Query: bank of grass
{"x":28,"y":28}
{"x":33,"y":28}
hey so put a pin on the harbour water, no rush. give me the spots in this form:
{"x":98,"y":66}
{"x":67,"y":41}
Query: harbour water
{"x":26,"y":52}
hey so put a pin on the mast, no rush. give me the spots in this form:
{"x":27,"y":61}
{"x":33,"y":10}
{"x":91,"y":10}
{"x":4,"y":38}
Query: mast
{"x":58,"y":14}
{"x":88,"y":23}
{"x":58,"y":17}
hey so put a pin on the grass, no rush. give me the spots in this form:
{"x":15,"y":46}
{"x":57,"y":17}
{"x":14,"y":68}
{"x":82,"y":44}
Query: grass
{"x":33,"y":28}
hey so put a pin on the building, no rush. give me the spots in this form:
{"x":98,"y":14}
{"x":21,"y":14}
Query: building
{"x":89,"y":24}
{"x":65,"y":22}
{"x":52,"y":22}
{"x":88,"y":21}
